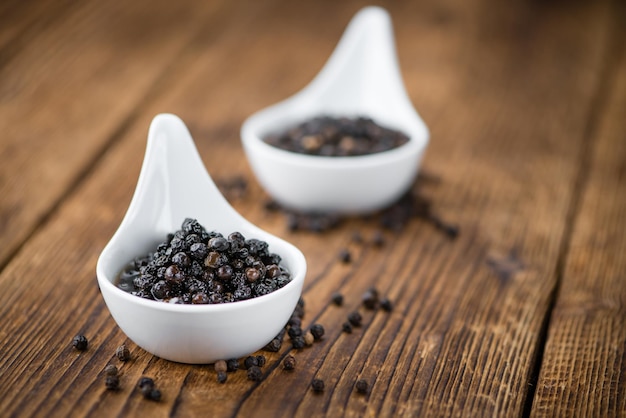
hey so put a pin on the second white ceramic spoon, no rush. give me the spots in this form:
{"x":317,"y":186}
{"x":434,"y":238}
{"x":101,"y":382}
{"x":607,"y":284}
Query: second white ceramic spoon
{"x":361,"y":78}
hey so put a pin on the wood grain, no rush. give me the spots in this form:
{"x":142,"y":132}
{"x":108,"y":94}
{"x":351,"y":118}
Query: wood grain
{"x":507,"y":91}
{"x":584,"y":363}
{"x":68,"y":91}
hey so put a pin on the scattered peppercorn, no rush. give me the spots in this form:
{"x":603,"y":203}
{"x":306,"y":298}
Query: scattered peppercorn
{"x":232,"y":365}
{"x":362,"y":386}
{"x":370,"y":299}
{"x":318,"y":331}
{"x":222,"y":377}
{"x":220,"y":366}
{"x":355,"y":318}
{"x":261,"y":360}
{"x":255,"y":373}
{"x":110,"y":370}
{"x":337,"y":298}
{"x":289,"y":363}
{"x":317,"y":385}
{"x":154,"y":395}
{"x":273,"y":345}
{"x":298,"y":342}
{"x":122,"y":353}
{"x":294,"y":332}
{"x":250,"y":361}
{"x":344,"y":256}
{"x":346,"y":327}
{"x":80,"y":342}
{"x":145,"y":382}
{"x":386,"y":304}
{"x":112,"y":382}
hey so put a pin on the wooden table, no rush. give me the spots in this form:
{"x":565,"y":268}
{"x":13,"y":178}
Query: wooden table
{"x":524,"y":313}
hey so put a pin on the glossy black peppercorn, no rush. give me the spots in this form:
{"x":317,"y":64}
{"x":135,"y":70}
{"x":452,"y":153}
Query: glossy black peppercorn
{"x":80,"y":342}
{"x":250,"y":361}
{"x":337,"y":298}
{"x":355,"y":318}
{"x":112,"y":382}
{"x":361,"y":386}
{"x":111,"y":370}
{"x":222,"y":377}
{"x":122,"y":353}
{"x":232,"y":364}
{"x":317,"y":385}
{"x":289,"y":363}
{"x":386,"y":304}
{"x":154,"y":395}
{"x":298,"y":342}
{"x":370,"y":299}
{"x":345,"y":256}
{"x":318,"y":331}
{"x":145,"y":382}
{"x":255,"y":373}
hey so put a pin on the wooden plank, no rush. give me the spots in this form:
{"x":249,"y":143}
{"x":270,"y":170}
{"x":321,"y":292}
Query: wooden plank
{"x":584,"y":364}
{"x":462,"y":339}
{"x":67,"y":92}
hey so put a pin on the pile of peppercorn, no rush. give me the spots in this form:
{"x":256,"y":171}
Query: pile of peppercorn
{"x":338,"y":137}
{"x":193,"y":266}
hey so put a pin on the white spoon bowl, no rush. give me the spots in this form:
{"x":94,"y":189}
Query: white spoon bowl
{"x":174,"y":185}
{"x":361,"y":78}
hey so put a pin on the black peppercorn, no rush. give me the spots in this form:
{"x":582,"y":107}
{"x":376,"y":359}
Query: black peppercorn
{"x":260,"y":359}
{"x":154,"y":395}
{"x":145,"y":382}
{"x":370,"y":299}
{"x":317,"y":385}
{"x":110,"y":370}
{"x":362,"y":386}
{"x":298,"y":342}
{"x":344,"y":256}
{"x":346,"y":327}
{"x":122,"y":353}
{"x":294,"y":332}
{"x":386,"y":304}
{"x":222,"y":377}
{"x":273,"y":345}
{"x":80,"y":342}
{"x":232,"y":364}
{"x":250,"y":361}
{"x":337,"y":298}
{"x":355,"y":318}
{"x":255,"y":373}
{"x":289,"y":363}
{"x":112,"y":382}
{"x":318,"y":331}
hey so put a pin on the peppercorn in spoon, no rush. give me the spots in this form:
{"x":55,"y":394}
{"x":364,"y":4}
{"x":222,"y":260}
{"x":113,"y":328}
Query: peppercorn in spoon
{"x":360,"y":79}
{"x":173,"y":187}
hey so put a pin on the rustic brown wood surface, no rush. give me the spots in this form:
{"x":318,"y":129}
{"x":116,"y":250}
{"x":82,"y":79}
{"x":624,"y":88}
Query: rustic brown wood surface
{"x":522,"y":314}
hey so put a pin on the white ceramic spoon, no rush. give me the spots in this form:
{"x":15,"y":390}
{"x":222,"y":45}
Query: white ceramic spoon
{"x":174,"y":185}
{"x":361,"y":78}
